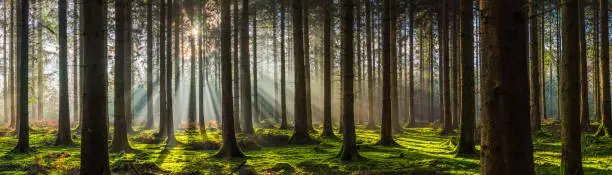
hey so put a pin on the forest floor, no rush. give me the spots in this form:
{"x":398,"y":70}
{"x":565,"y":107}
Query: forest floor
{"x":421,"y":151}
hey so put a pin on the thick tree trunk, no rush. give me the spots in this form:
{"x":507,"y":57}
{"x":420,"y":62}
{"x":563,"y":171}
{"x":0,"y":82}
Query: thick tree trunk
{"x":605,"y":129}
{"x":230,"y":146}
{"x":236,"y":68}
{"x":63,"y":131}
{"x":327,"y":85}
{"x":505,"y":90}
{"x":94,"y":141}
{"x":23,"y":144}
{"x":149,"y":120}
{"x":468,"y":106}
{"x":571,"y":161}
{"x":349,"y":146}
{"x":245,"y":70}
{"x":120,"y":141}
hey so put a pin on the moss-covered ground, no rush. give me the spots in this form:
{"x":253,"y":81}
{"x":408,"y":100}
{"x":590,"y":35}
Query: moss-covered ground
{"x":421,"y":151}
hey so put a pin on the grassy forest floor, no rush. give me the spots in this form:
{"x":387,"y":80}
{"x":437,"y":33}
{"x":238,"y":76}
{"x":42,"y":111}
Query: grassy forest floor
{"x":422,"y":151}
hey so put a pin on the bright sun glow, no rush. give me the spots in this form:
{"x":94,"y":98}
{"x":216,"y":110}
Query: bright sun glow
{"x":194,"y":31}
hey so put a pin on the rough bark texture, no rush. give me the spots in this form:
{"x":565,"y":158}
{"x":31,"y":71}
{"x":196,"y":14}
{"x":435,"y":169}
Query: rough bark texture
{"x":171,"y":140}
{"x":94,"y":146}
{"x":120,"y":140}
{"x":300,"y":132}
{"x":63,"y":131}
{"x":163,"y":112}
{"x":605,"y":129}
{"x":386,"y":137}
{"x":230,"y":146}
{"x":23,"y":144}
{"x":236,"y":68}
{"x":446,"y":108}
{"x":505,"y":93}
{"x":245,"y":70}
{"x":534,"y":68}
{"x":571,"y":159}
{"x":327,"y":118}
{"x":349,"y":146}
{"x":468,"y":104}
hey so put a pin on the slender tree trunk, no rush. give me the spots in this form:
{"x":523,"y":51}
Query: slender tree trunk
{"x":466,"y":138}
{"x":505,"y":89}
{"x":283,"y":100}
{"x":75,"y":62}
{"x":245,"y":72}
{"x":605,"y":129}
{"x":230,"y":146}
{"x":128,"y":69}
{"x":275,"y":114}
{"x":5,"y":60}
{"x":191,"y":115}
{"x":596,"y":89}
{"x":534,"y":67}
{"x":386,"y":136}
{"x":571,"y":161}
{"x":584,"y":78}
{"x":149,"y":121}
{"x":94,"y":140}
{"x":306,"y":7}
{"x":349,"y":146}
{"x":40,"y":94}
{"x":63,"y":131}
{"x":13,"y":84}
{"x":327,"y":84}
{"x":446,"y":109}
{"x":236,"y":64}
{"x":370,"y":56}
{"x":411,"y":111}
{"x":163,"y":110}
{"x":201,"y":120}
{"x":172,"y":8}
{"x":256,"y":111}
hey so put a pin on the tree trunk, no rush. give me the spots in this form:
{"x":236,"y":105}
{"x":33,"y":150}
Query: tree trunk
{"x":605,"y":129}
{"x":596,"y":89}
{"x":23,"y":145}
{"x":191,"y":114}
{"x":534,"y":67}
{"x":300,"y":132}
{"x":201,"y":120}
{"x":94,"y":141}
{"x":327,"y":85}
{"x":230,"y":146}
{"x":12,"y":59}
{"x":584,"y":78}
{"x":306,"y":7}
{"x":76,"y":64}
{"x":120,"y":141}
{"x":236,"y":64}
{"x":128,"y":69}
{"x":255,"y":73}
{"x":386,"y":137}
{"x":63,"y":131}
{"x":349,"y":146}
{"x":466,"y":138}
{"x":172,"y":8}
{"x":370,"y":56}
{"x":446,"y":109}
{"x":411,"y":111}
{"x":245,"y":72}
{"x":163,"y":110}
{"x":571,"y":161}
{"x":505,"y":93}
{"x":149,"y":120}
{"x":283,"y":100}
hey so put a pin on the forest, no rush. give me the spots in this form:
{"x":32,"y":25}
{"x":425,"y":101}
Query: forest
{"x":492,"y":87}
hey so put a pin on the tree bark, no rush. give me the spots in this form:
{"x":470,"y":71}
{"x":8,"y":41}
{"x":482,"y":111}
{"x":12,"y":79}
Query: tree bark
{"x":446,"y":109}
{"x":468,"y":106}
{"x":149,"y":120}
{"x":245,"y":72}
{"x":172,"y":8}
{"x":230,"y":146}
{"x":605,"y":129}
{"x":94,"y":143}
{"x":63,"y":131}
{"x":163,"y":110}
{"x":386,"y":137}
{"x":236,"y":68}
{"x":370,"y":56}
{"x":283,"y":100}
{"x":306,"y":7}
{"x":505,"y":92}
{"x":327,"y":85}
{"x":349,"y":146}
{"x":534,"y":67}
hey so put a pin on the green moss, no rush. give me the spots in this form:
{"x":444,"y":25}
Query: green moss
{"x":421,"y":151}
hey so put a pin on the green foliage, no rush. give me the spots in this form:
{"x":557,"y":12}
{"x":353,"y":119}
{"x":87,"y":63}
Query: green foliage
{"x":422,"y":151}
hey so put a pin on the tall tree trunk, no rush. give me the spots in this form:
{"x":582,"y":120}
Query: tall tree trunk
{"x":370,"y":56}
{"x":5,"y":60}
{"x":300,"y":132}
{"x":446,"y":109}
{"x":23,"y":144}
{"x":201,"y":120}
{"x":455,"y":82}
{"x":306,"y":7}
{"x":230,"y":146}
{"x":40,"y":94}
{"x":327,"y":84}
{"x":255,"y":73}
{"x":605,"y":129}
{"x":120,"y":141}
{"x":283,"y":100}
{"x":76,"y":65}
{"x":466,"y":138}
{"x":349,"y":146}
{"x":274,"y":14}
{"x":596,"y":89}
{"x":191,"y":114}
{"x":163,"y":110}
{"x":505,"y":115}
{"x":584,"y":78}
{"x":534,"y":67}
{"x":386,"y":136}
{"x":149,"y":121}
{"x":571,"y":161}
{"x":245,"y":72}
{"x":411,"y":111}
{"x":13,"y":84}
{"x":94,"y":141}
{"x":172,"y":8}
{"x":63,"y":131}
{"x":394,"y":71}
{"x":236,"y":64}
